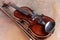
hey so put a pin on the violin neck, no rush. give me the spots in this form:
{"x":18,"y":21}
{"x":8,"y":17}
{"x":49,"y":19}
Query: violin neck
{"x":19,"y":9}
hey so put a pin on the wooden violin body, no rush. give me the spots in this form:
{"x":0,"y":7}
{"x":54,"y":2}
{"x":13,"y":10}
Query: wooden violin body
{"x":35,"y":28}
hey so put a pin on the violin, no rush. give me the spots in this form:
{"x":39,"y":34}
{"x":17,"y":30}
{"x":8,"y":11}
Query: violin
{"x":38,"y":26}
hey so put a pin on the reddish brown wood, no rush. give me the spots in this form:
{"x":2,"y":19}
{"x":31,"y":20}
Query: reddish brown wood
{"x":34,"y":26}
